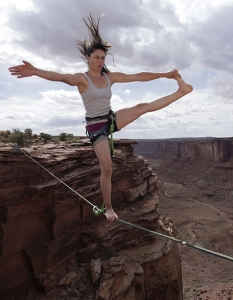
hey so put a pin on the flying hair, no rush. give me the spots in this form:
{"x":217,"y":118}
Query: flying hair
{"x":95,"y":41}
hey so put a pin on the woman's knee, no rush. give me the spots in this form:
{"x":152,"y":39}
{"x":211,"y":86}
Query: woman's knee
{"x":141,"y":109}
{"x":106,"y":171}
{"x":130,"y":114}
{"x":106,"y":168}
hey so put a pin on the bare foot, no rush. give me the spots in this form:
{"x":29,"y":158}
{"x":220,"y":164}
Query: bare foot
{"x":111,"y":215}
{"x":184,"y":87}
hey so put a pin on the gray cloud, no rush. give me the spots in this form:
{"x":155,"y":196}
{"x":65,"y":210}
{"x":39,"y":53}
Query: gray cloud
{"x":212,"y":39}
{"x":62,"y":121}
{"x":222,"y":86}
{"x":142,"y":33}
{"x":51,"y":28}
{"x":146,"y":36}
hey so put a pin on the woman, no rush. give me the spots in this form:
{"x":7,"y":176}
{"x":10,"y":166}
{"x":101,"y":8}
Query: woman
{"x":94,"y":87}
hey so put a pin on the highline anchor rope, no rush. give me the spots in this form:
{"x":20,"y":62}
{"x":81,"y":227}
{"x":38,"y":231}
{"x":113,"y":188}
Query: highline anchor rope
{"x":98,"y":211}
{"x":176,"y":240}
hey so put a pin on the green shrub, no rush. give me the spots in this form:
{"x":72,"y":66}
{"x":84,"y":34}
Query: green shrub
{"x":63,"y":136}
{"x":18,"y":138}
{"x":45,"y":137}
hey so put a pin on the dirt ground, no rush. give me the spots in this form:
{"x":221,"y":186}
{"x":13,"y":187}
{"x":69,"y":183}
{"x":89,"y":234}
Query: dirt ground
{"x":198,"y":197}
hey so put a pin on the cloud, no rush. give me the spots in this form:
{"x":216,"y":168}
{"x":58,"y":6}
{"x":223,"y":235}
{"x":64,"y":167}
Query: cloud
{"x":61,"y":121}
{"x":53,"y":35}
{"x":193,"y":36}
{"x":127,"y":92}
{"x":211,"y":37}
{"x":212,"y":119}
{"x":222,"y":87}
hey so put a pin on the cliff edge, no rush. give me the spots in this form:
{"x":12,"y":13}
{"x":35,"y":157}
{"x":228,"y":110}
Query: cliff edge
{"x":53,"y":247}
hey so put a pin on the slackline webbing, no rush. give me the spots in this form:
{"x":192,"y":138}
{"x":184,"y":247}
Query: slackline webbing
{"x":176,"y":240}
{"x":98,"y":211}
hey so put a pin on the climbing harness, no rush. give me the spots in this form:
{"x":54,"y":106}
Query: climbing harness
{"x":110,"y":128}
{"x":98,"y":211}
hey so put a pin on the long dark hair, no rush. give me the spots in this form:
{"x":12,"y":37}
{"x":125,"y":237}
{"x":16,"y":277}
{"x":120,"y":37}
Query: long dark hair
{"x":95,"y":41}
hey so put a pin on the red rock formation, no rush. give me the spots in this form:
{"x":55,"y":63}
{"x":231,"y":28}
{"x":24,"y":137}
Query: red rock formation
{"x":51,"y":242}
{"x":196,"y":192}
{"x":223,"y":149}
{"x":213,"y":149}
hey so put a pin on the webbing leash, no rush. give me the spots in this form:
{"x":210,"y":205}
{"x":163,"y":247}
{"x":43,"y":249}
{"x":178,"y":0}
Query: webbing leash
{"x":111,"y":130}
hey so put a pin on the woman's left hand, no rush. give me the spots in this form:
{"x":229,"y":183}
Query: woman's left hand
{"x":173,"y":74}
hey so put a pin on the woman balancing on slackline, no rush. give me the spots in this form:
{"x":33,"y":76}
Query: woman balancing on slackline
{"x":94,"y":87}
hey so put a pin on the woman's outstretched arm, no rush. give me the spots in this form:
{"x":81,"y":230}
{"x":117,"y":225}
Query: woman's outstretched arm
{"x":27,"y":69}
{"x":142,"y":76}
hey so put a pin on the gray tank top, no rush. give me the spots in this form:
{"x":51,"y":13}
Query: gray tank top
{"x":97,"y":100}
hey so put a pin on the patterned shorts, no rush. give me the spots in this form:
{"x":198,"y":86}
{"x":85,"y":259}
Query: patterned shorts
{"x":100,"y":131}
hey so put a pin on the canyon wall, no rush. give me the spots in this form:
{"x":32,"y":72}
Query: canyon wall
{"x":213,"y":149}
{"x":53,"y":247}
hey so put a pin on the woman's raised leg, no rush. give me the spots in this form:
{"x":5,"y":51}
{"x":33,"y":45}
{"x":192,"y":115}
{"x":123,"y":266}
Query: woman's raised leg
{"x":102,"y":151}
{"x":126,"y":116}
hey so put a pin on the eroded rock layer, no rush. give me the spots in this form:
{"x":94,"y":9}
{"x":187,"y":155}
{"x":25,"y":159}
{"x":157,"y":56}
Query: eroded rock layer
{"x":53,"y":246}
{"x":212,"y":149}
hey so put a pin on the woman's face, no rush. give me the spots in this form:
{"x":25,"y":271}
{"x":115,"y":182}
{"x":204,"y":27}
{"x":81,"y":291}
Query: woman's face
{"x":96,"y":60}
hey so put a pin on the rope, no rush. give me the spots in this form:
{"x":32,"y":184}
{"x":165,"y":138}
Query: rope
{"x":176,"y":240}
{"x":111,"y":129}
{"x":98,"y":211}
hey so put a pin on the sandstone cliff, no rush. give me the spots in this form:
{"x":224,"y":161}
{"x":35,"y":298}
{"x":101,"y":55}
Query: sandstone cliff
{"x":212,"y":149}
{"x":195,"y":180}
{"x":53,"y":247}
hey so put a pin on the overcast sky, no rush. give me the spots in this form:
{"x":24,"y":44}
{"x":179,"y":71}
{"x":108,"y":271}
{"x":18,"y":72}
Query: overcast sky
{"x":147,"y":35}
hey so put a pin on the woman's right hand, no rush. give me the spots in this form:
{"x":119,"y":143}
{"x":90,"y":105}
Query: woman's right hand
{"x":22,"y":71}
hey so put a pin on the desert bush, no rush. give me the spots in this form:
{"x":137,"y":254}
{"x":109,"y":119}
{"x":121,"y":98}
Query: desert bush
{"x":18,"y":137}
{"x":45,"y":137}
{"x":63,"y":136}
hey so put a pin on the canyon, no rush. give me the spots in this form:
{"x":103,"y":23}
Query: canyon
{"x":53,"y":247}
{"x":196,"y":193}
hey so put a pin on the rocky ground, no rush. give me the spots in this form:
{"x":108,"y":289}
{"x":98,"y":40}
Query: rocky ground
{"x":198,"y":197}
